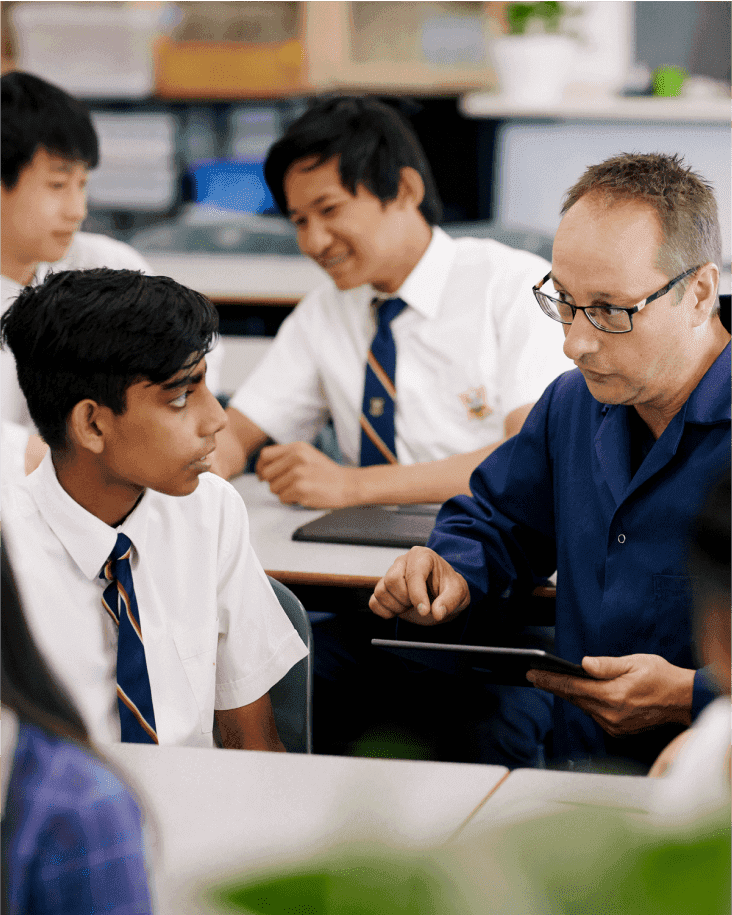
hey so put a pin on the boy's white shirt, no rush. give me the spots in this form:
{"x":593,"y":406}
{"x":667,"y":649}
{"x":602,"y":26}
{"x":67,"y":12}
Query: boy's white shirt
{"x":215,"y":634}
{"x":697,"y":783}
{"x":472,"y":346}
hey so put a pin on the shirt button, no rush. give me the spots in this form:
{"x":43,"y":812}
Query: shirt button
{"x":621,"y":538}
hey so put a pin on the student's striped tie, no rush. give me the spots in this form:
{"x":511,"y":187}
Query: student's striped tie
{"x":379,"y":393}
{"x":134,"y":698}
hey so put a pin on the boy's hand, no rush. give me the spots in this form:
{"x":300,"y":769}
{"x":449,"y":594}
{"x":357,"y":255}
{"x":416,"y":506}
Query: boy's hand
{"x":300,"y":474}
{"x":420,"y":587}
{"x":632,"y":693}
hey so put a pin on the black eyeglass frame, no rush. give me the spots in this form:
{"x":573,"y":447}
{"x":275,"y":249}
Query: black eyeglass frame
{"x":588,"y":308}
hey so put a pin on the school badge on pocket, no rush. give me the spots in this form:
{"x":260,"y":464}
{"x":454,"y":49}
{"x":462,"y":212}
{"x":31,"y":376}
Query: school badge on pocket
{"x":474,"y":400}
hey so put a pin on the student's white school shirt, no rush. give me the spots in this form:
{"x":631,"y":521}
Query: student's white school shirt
{"x":87,"y":251}
{"x":697,"y":783}
{"x":472,"y":346}
{"x":215,"y":634}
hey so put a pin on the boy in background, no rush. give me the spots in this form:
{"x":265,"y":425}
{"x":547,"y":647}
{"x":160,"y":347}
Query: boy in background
{"x":425,"y":351}
{"x":139,"y":582}
{"x":48,"y":147}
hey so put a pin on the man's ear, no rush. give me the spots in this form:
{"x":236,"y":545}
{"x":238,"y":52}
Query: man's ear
{"x":87,"y":425}
{"x":704,"y":285}
{"x":411,"y":187}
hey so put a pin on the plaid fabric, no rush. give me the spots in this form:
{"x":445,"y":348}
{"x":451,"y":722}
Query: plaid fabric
{"x":71,"y":834}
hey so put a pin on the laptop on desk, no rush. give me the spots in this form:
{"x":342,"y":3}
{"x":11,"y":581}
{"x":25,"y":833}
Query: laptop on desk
{"x":373,"y":525}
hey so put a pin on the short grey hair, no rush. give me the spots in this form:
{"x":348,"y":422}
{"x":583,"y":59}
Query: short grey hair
{"x":682,"y":200}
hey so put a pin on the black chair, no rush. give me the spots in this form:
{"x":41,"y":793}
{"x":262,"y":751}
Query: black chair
{"x":292,"y":696}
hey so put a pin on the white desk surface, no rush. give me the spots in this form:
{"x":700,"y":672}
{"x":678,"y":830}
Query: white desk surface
{"x":292,"y":562}
{"x":528,"y":792}
{"x":240,"y":277}
{"x":219,"y":812}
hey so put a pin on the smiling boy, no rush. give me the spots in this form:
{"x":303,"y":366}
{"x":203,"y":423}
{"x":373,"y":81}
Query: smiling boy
{"x":49,"y":146}
{"x":470,"y":357}
{"x":112,"y":364}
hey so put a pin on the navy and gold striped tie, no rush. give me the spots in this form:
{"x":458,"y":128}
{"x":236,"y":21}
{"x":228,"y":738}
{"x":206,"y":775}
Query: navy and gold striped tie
{"x":379,"y":393}
{"x":134,"y":698}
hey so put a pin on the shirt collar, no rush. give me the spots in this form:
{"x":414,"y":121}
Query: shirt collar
{"x":86,"y":538}
{"x":8,"y":745}
{"x":709,"y":402}
{"x":423,"y":288}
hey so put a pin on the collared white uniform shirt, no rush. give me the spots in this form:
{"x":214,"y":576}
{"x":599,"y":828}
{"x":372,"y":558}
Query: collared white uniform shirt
{"x":214,"y":632}
{"x":472,"y":346}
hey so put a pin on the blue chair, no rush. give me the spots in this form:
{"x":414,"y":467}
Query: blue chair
{"x":292,"y":696}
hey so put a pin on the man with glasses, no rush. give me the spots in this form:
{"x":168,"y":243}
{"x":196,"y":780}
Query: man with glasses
{"x":611,"y":466}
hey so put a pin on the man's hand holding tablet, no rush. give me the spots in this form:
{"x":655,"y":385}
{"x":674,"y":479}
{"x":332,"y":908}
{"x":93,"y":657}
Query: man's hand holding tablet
{"x":624,"y":695}
{"x":628,"y":694}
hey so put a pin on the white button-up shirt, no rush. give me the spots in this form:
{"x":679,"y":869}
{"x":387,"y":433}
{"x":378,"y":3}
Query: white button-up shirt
{"x":472,"y":346}
{"x":215,"y":634}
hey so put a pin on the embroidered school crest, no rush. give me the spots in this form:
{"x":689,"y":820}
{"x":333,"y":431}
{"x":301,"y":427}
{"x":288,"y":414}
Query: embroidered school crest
{"x":475,"y":401}
{"x":376,"y":406}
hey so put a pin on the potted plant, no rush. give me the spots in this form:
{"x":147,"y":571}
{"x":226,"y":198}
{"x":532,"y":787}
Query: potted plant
{"x":533,"y":59}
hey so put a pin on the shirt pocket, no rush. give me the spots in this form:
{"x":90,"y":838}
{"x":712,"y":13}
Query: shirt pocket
{"x":197,"y":652}
{"x":672,"y":599}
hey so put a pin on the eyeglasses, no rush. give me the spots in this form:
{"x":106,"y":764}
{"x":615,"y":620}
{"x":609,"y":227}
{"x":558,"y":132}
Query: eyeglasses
{"x":611,"y":319}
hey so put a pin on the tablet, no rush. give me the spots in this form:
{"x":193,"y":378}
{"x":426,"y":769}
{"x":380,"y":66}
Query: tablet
{"x":513,"y":662}
{"x":373,"y":525}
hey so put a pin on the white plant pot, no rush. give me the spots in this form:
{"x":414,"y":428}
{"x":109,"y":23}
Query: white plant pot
{"x":533,"y":69}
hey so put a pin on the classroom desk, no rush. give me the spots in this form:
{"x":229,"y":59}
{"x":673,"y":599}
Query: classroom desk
{"x":219,"y":812}
{"x":292,"y":562}
{"x":340,"y":565}
{"x":239,"y":277}
{"x":525,"y":793}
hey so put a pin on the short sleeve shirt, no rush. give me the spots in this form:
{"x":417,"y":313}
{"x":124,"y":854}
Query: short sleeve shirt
{"x":472,"y":346}
{"x":215,"y":634}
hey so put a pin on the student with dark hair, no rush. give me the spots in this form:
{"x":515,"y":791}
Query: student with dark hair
{"x":140,"y":585}
{"x":48,"y":147}
{"x":424,"y":351}
{"x":71,"y":832}
{"x":371,"y":142}
{"x":608,"y":473}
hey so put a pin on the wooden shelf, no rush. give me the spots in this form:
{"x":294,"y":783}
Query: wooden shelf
{"x":580,"y":106}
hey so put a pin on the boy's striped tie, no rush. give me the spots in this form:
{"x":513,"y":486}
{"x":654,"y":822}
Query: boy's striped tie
{"x":134,"y":698}
{"x":379,"y":393}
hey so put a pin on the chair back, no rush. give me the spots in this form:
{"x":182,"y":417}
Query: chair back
{"x":292,"y":696}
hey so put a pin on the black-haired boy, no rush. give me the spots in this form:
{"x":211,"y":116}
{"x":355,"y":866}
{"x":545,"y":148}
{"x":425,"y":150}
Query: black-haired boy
{"x":48,"y":147}
{"x":471,"y":355}
{"x":112,"y":364}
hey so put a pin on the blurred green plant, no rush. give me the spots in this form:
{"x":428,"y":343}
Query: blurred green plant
{"x":585,"y":861}
{"x":527,"y":18}
{"x":371,"y":885}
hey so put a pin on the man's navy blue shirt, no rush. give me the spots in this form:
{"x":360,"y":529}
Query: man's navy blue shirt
{"x":562,"y":495}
